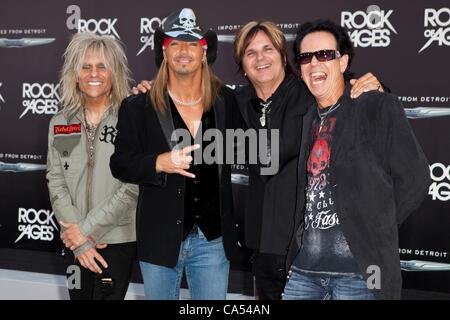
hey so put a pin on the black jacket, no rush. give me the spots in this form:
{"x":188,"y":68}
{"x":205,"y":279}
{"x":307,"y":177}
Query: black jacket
{"x":270,"y":206}
{"x":143,"y":135}
{"x":382,"y":176}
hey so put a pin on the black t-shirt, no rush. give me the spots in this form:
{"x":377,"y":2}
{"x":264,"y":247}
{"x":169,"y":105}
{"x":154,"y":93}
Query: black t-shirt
{"x":324,"y":247}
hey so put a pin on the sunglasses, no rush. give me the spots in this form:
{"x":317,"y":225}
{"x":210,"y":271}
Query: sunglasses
{"x":321,"y":55}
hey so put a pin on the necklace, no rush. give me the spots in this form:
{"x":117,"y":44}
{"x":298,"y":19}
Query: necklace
{"x":324,"y":115}
{"x":182,"y":103}
{"x":264,"y":110}
{"x":90,"y":131}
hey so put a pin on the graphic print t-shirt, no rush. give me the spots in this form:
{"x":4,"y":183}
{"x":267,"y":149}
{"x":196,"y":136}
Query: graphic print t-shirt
{"x":324,"y":248}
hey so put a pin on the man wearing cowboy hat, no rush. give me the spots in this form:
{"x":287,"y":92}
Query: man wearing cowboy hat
{"x":184,"y":214}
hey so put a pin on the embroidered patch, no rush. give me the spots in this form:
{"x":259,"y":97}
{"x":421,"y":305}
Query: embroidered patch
{"x":62,"y":129}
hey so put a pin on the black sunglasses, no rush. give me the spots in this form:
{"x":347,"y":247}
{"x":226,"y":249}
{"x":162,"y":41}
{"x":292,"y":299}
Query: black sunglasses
{"x":321,"y":55}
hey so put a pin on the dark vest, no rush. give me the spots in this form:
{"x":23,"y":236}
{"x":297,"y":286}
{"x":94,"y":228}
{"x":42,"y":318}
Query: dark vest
{"x":202,"y":207}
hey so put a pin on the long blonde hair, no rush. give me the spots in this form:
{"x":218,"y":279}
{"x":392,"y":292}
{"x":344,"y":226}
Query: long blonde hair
{"x":111,"y":51}
{"x":210,"y":87}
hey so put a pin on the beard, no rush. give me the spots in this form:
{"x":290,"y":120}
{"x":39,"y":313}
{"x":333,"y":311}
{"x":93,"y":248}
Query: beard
{"x":182,"y":70}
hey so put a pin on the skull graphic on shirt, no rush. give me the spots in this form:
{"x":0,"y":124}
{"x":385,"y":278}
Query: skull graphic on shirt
{"x":319,"y":158}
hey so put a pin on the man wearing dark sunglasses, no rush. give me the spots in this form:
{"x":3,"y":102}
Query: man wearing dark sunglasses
{"x":321,"y":55}
{"x":365,"y":174}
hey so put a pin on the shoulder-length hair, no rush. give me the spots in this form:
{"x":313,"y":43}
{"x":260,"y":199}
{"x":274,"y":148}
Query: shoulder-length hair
{"x":210,"y":87}
{"x":111,"y":52}
{"x":247,"y":33}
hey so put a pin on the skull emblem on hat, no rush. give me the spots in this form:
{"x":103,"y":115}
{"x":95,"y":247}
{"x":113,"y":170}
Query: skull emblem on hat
{"x":187,"y":20}
{"x":184,"y":25}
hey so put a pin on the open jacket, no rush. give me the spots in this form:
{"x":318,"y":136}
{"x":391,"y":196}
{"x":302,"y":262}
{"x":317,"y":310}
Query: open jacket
{"x":382,"y":176}
{"x":270,"y":205}
{"x":145,"y":134}
{"x":102,"y":206}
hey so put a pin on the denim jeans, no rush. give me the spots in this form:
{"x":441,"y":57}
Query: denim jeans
{"x":206,"y":269}
{"x":303,"y":286}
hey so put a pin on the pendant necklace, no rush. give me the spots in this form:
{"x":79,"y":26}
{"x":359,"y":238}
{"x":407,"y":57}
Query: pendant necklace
{"x":325,"y":114}
{"x":264,"y":110}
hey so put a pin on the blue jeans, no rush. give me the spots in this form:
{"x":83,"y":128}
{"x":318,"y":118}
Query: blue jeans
{"x":303,"y":286}
{"x":206,"y":271}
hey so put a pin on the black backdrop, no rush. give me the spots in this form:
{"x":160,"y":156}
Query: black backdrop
{"x":405,"y":43}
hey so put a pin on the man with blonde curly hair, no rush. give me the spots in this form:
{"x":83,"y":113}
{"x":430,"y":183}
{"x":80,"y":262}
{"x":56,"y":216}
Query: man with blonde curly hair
{"x":96,"y":212}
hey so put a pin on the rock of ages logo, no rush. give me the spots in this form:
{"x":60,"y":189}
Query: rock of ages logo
{"x":102,"y":26}
{"x":147,"y":30}
{"x":36,"y":224}
{"x":437,"y":27}
{"x":40,"y":98}
{"x":440,"y":188}
{"x":371,"y":28}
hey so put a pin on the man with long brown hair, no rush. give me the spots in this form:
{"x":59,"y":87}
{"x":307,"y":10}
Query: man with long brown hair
{"x":184,"y":215}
